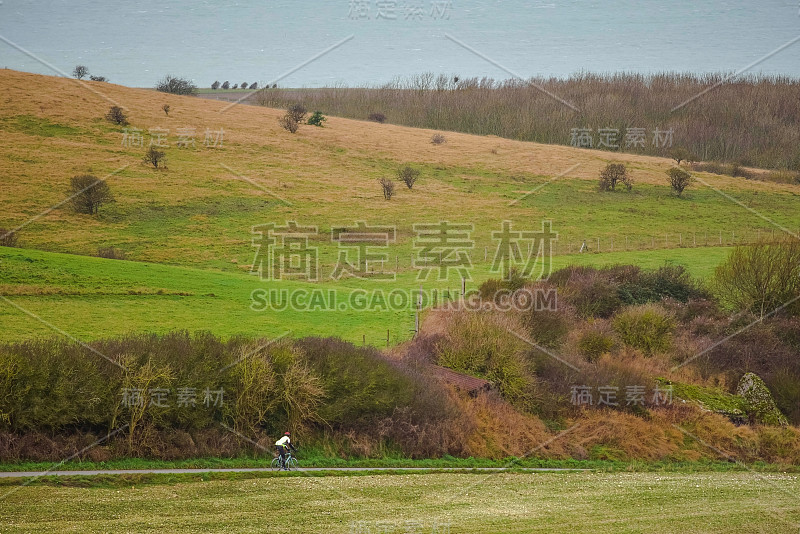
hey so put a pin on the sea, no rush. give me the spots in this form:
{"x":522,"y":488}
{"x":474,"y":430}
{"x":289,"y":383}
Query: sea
{"x":367,"y":43}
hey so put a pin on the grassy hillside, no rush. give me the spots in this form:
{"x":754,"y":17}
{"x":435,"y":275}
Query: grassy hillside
{"x":194,"y":218}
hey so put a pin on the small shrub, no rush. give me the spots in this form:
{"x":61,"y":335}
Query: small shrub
{"x":297,"y":112}
{"x":166,"y":109}
{"x":110,"y":253}
{"x":176,"y":86}
{"x":679,"y":179}
{"x":98,"y":78}
{"x":253,"y":86}
{"x":235,"y":86}
{"x":289,"y":123}
{"x":316,"y":119}
{"x":215,"y":85}
{"x":226,"y":84}
{"x":613,"y":174}
{"x":438,"y":139}
{"x":377,"y":117}
{"x":387,"y":186}
{"x":243,"y":85}
{"x":80,"y":72}
{"x":87,"y":193}
{"x":117,"y":116}
{"x":408,"y":175}
{"x":647,"y":328}
{"x":594,"y":344}
{"x":8,"y":238}
{"x":155,"y":158}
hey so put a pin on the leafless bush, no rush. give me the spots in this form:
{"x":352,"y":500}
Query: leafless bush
{"x":80,"y":72}
{"x":613,"y":174}
{"x":408,"y":175}
{"x":297,"y":112}
{"x":166,"y":108}
{"x":377,"y":117}
{"x":438,"y":139}
{"x":117,"y":115}
{"x":387,"y":186}
{"x":289,"y":123}
{"x":111,"y":253}
{"x":155,"y":158}
{"x":8,"y":238}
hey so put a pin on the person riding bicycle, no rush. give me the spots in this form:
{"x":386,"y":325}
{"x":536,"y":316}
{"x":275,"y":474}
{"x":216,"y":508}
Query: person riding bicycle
{"x":282,"y":445}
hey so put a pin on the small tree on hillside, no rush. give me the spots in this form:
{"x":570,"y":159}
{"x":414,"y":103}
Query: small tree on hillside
{"x":679,"y":179}
{"x":117,"y":115}
{"x":408,"y":175}
{"x":155,"y":158}
{"x":680,"y":154}
{"x":226,"y":85}
{"x":387,"y":186}
{"x":243,"y":85}
{"x":253,"y":86}
{"x":87,"y":193}
{"x":215,"y":85}
{"x":316,"y":119}
{"x":613,"y":174}
{"x":80,"y":72}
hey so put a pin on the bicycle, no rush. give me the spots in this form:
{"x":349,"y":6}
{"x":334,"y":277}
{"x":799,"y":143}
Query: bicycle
{"x":291,"y":462}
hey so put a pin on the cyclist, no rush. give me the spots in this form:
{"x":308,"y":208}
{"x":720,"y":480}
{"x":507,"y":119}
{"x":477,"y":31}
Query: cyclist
{"x":282,"y":445}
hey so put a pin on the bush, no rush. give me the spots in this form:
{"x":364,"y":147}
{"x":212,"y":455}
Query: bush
{"x":166,"y":109}
{"x":316,"y":119}
{"x":215,"y":85}
{"x":8,"y":238}
{"x":438,"y":139}
{"x":117,"y":115}
{"x":80,"y":72}
{"x":289,"y":123}
{"x":176,"y":86}
{"x":243,"y":85}
{"x":110,"y":253}
{"x":647,"y":328}
{"x":679,"y":179}
{"x":155,"y":157}
{"x":87,"y":193}
{"x":98,"y":78}
{"x":377,"y":117}
{"x":387,"y":186}
{"x":761,"y":278}
{"x":253,"y":86}
{"x":226,"y":84}
{"x":594,"y":343}
{"x":613,"y":174}
{"x":297,"y":112}
{"x":408,"y":175}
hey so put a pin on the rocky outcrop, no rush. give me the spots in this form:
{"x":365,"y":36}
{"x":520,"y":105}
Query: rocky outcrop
{"x":758,"y":400}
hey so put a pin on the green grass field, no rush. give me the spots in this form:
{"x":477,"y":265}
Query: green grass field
{"x":507,"y":502}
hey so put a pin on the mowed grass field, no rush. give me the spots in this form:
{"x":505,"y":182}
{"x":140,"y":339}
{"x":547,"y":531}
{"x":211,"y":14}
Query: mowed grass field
{"x":188,"y":227}
{"x":453,"y":503}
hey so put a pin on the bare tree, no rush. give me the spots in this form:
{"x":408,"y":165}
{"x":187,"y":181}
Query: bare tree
{"x":387,"y":186}
{"x":408,"y":175}
{"x":80,"y":72}
{"x":679,"y":179}
{"x":155,"y":157}
{"x":88,"y":193}
{"x":176,"y":86}
{"x":613,"y":174}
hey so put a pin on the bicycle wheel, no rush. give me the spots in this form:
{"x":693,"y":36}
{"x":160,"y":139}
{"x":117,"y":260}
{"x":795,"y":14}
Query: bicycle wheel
{"x":292,"y":464}
{"x":276,"y":464}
